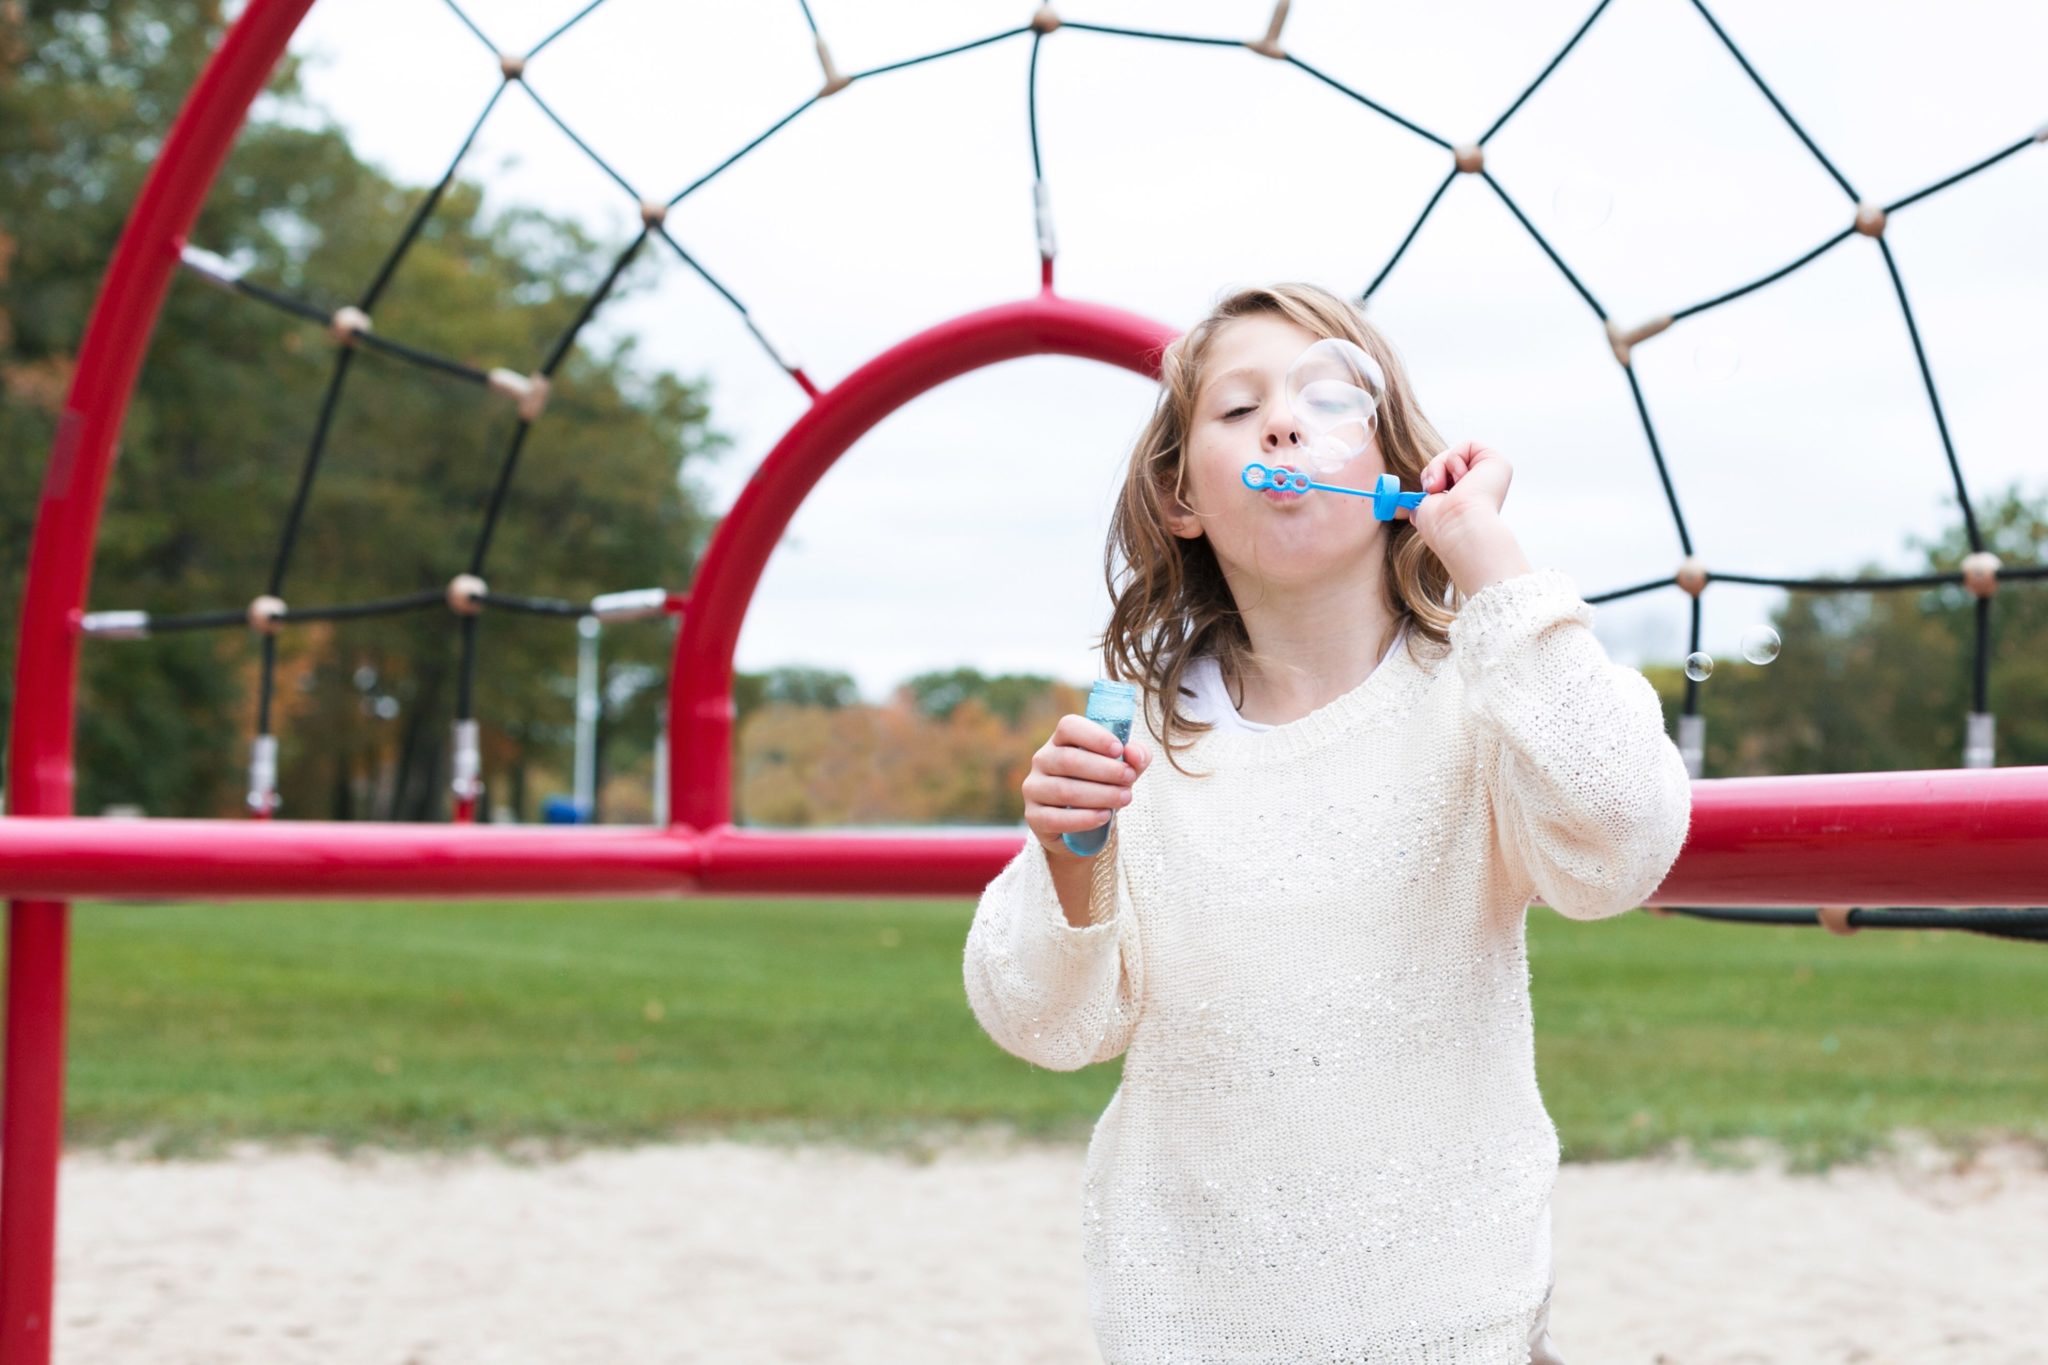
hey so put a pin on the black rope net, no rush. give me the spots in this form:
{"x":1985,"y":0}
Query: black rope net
{"x":526,"y":385}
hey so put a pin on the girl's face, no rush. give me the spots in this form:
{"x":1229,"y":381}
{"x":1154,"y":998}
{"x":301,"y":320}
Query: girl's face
{"x":1241,"y":417}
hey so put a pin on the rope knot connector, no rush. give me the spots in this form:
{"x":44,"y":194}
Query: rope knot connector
{"x":264,"y":613}
{"x":466,"y":593}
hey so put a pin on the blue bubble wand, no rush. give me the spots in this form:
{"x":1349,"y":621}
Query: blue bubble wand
{"x":1386,"y":494}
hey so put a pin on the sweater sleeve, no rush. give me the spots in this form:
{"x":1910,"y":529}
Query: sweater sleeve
{"x":1590,"y":795}
{"x":1055,"y":995}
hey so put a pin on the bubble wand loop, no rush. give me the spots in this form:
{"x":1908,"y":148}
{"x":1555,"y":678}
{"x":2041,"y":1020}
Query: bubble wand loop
{"x":1386,"y":494}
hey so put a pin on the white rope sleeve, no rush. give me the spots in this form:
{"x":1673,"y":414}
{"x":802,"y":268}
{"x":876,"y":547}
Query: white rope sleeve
{"x":116,"y":625}
{"x":468,"y":765}
{"x":263,"y":774}
{"x":216,"y":270}
{"x":635,"y":604}
{"x":1041,"y":201}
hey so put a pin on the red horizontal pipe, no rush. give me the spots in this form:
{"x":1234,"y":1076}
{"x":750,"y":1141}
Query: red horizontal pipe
{"x":210,"y":859}
{"x":1866,"y":839}
{"x":757,"y":862}
{"x":1951,"y":838}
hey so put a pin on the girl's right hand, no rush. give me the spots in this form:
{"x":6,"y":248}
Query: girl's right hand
{"x":1076,"y":776}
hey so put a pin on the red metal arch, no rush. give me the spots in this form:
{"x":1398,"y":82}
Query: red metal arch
{"x":60,"y":563}
{"x":1872,"y":839}
{"x":700,"y":785}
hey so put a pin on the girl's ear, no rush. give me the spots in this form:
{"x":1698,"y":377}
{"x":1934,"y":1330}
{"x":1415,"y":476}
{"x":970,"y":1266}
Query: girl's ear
{"x":1180,"y":518}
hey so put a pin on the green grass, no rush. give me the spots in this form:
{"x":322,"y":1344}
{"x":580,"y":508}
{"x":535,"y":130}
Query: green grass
{"x":1657,"y":1031}
{"x":435,"y":1025}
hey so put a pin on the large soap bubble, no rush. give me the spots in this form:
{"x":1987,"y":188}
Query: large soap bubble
{"x":1334,"y":392}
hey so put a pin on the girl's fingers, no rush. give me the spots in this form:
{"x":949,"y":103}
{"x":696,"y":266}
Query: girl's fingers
{"x":1067,"y":761}
{"x":1082,"y":749}
{"x":1448,"y":468}
{"x":1080,"y":778}
{"x":1055,"y":820}
{"x":1062,"y":791}
{"x":1082,"y":733}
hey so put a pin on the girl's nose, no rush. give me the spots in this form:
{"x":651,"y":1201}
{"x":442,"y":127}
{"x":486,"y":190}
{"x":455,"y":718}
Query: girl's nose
{"x":1275,"y":437}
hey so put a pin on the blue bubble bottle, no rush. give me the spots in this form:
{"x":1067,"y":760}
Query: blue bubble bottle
{"x":1112,"y":705}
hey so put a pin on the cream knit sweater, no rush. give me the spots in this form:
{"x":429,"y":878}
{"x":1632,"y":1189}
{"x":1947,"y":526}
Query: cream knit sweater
{"x":1328,"y":1143}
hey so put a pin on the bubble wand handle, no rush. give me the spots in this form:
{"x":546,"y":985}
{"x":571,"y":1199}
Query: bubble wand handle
{"x":1386,"y":494}
{"x":1113,"y":706}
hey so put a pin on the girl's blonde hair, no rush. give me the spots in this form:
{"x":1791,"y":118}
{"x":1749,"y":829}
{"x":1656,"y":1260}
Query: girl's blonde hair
{"x":1171,"y":603}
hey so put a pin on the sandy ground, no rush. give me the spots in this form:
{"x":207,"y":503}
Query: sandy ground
{"x":730,"y":1253}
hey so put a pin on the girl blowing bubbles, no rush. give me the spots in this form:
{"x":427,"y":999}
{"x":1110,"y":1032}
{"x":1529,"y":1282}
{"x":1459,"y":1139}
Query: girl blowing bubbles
{"x":1305,"y":936}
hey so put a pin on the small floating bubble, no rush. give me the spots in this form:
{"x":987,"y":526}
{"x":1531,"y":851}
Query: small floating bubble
{"x":1699,"y":667}
{"x":1760,"y":644}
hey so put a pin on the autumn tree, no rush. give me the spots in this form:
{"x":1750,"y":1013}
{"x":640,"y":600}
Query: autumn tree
{"x":899,"y":762}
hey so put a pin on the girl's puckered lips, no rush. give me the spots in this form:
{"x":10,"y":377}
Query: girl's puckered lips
{"x":1280,"y":495}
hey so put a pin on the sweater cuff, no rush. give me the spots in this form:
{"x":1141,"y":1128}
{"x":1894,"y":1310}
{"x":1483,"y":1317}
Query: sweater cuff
{"x":1034,"y":866}
{"x":1505,"y":616}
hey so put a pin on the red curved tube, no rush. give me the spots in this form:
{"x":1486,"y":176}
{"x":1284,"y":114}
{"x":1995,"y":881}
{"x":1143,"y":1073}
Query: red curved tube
{"x":700,"y":681}
{"x":60,"y":563}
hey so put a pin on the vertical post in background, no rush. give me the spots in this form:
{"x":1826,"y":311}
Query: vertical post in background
{"x":587,"y":706}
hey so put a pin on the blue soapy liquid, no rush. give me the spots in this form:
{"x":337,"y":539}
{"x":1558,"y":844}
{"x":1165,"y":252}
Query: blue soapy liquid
{"x":1112,"y":705}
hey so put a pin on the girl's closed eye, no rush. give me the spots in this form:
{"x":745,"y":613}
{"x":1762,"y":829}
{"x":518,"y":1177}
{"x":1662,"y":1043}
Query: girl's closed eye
{"x":1236,"y":412}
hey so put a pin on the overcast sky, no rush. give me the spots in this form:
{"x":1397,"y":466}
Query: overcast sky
{"x":968,"y":528}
